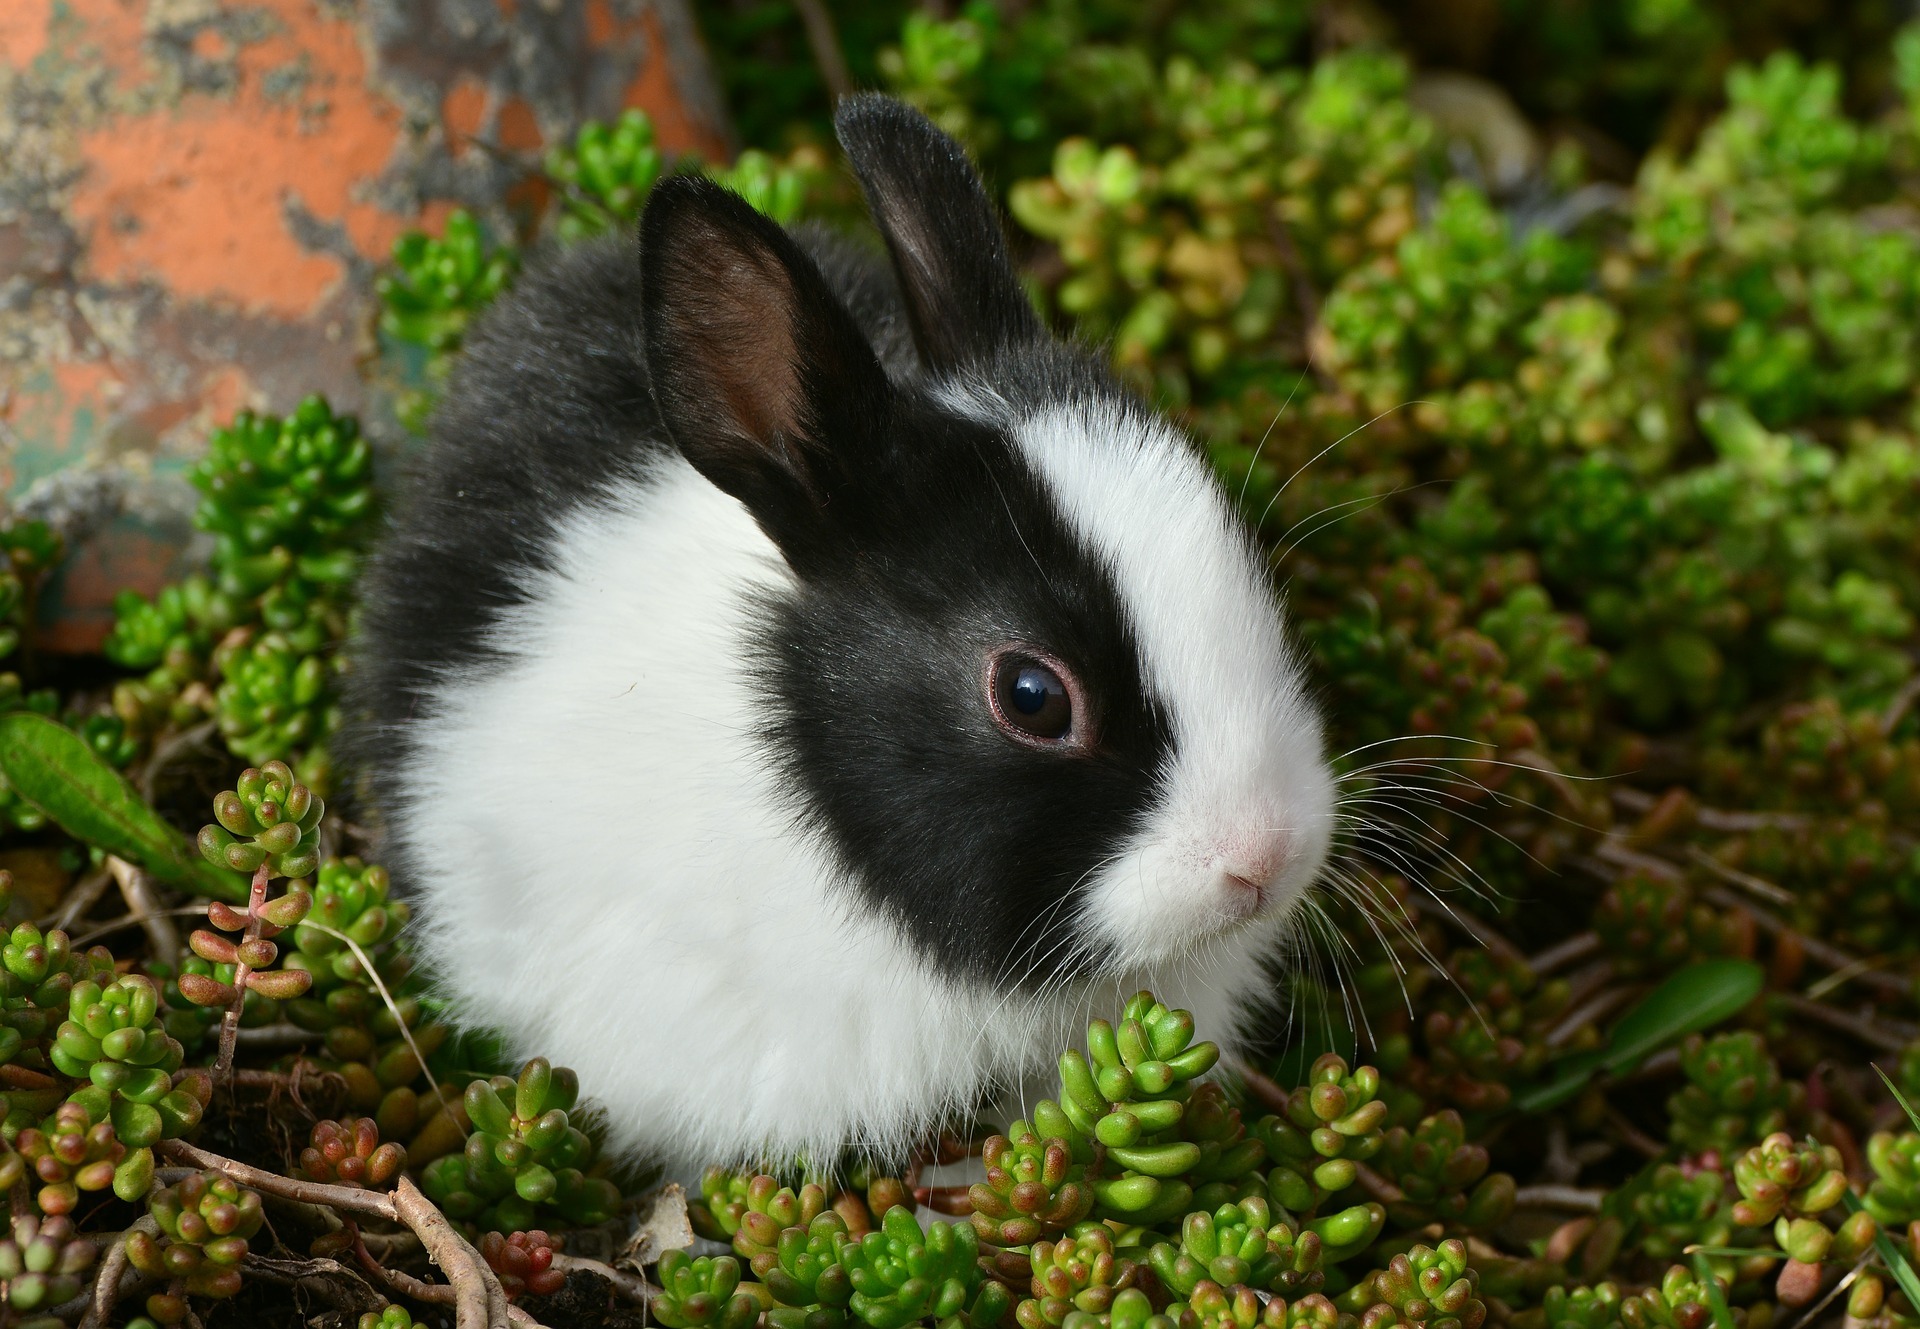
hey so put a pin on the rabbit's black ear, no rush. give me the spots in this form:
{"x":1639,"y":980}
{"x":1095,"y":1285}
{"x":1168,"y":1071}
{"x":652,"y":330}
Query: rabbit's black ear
{"x":760,"y":374}
{"x":948,"y":249}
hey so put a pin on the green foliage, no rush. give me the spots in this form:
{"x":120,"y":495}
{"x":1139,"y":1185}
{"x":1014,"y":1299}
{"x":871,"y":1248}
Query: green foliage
{"x":41,"y":1261}
{"x":1733,"y":1093}
{"x":349,"y":1153}
{"x":1033,"y":1190}
{"x":698,"y":1293}
{"x":1432,"y":1286}
{"x":205,"y":1222}
{"x":1596,"y":520}
{"x":525,"y":1156}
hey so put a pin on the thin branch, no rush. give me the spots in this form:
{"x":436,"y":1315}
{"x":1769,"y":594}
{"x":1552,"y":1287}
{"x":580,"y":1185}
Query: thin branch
{"x":402,"y":1283}
{"x":321,"y":1276}
{"x":1638,"y":1139}
{"x":230,"y":1021}
{"x":274,"y":1037}
{"x":1897,"y":708}
{"x":1890,"y":985}
{"x":114,"y":1266}
{"x":481,"y":1304}
{"x":113,"y":925}
{"x":170,"y":747}
{"x":1577,"y":947}
{"x":1376,"y":1186}
{"x":478,"y":1300}
{"x":351,"y":1199}
{"x":78,"y":899}
{"x":1761,"y":887}
{"x":1574,"y":1199}
{"x":825,"y":43}
{"x":136,"y":888}
{"x":1717,"y":819}
{"x":1601,"y":1005}
{"x":1888,"y":1038}
{"x":1489,"y":939}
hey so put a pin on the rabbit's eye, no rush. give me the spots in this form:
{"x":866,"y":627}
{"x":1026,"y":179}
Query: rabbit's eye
{"x":1031,"y":699}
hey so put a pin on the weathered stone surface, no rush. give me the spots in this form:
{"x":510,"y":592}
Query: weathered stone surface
{"x":194,"y":196}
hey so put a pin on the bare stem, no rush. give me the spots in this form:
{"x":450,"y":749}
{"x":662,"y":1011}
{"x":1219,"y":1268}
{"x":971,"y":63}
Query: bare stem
{"x":113,"y":1269}
{"x":78,"y":899}
{"x":480,"y":1303}
{"x":230,"y":1023}
{"x":826,"y":46}
{"x":1577,"y":1199}
{"x":1577,"y":947}
{"x":351,"y":1199}
{"x":136,"y":888}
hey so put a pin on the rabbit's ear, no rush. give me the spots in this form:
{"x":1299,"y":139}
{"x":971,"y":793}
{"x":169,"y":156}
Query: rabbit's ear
{"x":761,"y":375}
{"x":963,"y":299}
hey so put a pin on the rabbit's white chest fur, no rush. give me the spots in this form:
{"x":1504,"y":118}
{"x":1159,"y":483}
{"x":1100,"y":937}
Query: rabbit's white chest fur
{"x":611,"y":877}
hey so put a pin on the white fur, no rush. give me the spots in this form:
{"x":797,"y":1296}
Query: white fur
{"x":1249,"y":792}
{"x":611,"y":876}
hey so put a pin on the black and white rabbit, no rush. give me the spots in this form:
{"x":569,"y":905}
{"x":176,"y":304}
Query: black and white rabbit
{"x":799,"y":693}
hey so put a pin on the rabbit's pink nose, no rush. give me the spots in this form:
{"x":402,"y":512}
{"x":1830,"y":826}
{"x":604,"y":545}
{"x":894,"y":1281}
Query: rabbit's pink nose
{"x":1254,"y":862}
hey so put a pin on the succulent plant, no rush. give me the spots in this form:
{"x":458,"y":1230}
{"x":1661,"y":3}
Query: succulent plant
{"x":1331,"y":1125}
{"x":606,"y":174}
{"x":1894,"y":1196}
{"x":353,"y":916}
{"x":1734,"y":1094}
{"x":432,"y":288}
{"x":524,"y":1155}
{"x":41,"y":1263}
{"x":1682,"y":1207}
{"x":806,"y":1277}
{"x":269,"y":822}
{"x":1679,"y":1301}
{"x":1239,"y":1244}
{"x":1077,"y":1274}
{"x":1427,"y":1285}
{"x":205,"y":1221}
{"x":524,"y":1263}
{"x":900,"y":1273}
{"x":1033,"y":1191}
{"x":702,"y":1293}
{"x":1596,"y":1307}
{"x":393,"y":1317}
{"x":38,"y":971}
{"x":76,"y":1149}
{"x":349,"y":1153}
{"x":300,"y":482}
{"x":1442,"y":1177}
{"x":273,"y":698}
{"x":1129,"y":1095}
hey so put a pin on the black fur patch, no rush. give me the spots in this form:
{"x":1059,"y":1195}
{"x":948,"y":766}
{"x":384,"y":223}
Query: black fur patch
{"x":972,"y":840}
{"x":925,"y":539}
{"x":548,"y":404}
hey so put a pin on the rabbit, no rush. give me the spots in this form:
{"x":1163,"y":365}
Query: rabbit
{"x":799,"y":690}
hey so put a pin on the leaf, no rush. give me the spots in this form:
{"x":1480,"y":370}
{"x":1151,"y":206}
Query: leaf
{"x":53,"y":768}
{"x":1716,"y":1296}
{"x":1692,"y":999}
{"x":1901,"y":1099}
{"x":1890,"y":1254}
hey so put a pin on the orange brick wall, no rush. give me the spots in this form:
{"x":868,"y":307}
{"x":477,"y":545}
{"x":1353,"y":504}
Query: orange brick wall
{"x":194,"y":195}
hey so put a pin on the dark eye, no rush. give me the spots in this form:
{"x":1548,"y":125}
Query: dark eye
{"x":1031,"y":698}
